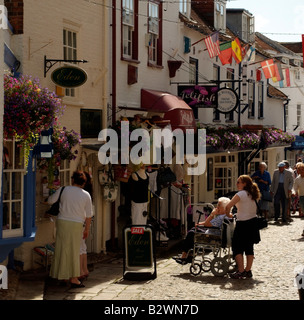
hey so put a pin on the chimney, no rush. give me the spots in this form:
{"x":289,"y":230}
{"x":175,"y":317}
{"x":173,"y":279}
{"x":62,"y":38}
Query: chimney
{"x":15,"y":14}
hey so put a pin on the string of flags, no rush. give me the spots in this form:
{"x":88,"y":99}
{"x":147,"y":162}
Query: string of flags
{"x":233,"y":50}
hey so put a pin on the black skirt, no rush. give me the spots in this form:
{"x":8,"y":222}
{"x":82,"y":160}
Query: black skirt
{"x":246,"y":233}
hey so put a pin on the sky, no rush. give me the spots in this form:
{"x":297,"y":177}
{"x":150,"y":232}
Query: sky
{"x":278,"y":20}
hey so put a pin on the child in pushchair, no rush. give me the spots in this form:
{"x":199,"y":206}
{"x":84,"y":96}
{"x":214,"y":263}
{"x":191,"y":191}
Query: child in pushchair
{"x":208,"y":236}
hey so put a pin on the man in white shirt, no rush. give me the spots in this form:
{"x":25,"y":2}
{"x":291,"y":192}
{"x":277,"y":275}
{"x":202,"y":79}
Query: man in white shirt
{"x":299,"y":187}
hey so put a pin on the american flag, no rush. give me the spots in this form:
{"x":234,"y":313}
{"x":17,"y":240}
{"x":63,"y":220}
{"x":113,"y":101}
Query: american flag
{"x":213,"y":44}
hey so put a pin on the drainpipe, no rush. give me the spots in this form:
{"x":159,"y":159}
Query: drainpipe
{"x":284,"y":110}
{"x":113,"y":216}
{"x":285,"y":104}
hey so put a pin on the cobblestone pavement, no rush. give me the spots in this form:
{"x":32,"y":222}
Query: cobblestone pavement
{"x":280,"y":251}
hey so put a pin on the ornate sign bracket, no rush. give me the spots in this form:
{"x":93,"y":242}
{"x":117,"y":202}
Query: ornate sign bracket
{"x":49,"y":63}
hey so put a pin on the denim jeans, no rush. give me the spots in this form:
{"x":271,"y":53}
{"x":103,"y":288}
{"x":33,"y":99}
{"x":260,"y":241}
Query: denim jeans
{"x":301,"y":203}
{"x":280,"y":200}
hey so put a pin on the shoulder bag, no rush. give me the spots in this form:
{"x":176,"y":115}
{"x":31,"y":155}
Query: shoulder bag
{"x":262,"y":222}
{"x":54,"y":209}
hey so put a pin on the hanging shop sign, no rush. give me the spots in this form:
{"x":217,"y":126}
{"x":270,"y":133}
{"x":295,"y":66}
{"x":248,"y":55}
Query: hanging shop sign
{"x":227,"y":100}
{"x":69,"y":77}
{"x":198,"y":96}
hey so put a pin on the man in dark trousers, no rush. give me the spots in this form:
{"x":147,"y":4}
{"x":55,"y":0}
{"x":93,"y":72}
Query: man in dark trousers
{"x":282,"y":183}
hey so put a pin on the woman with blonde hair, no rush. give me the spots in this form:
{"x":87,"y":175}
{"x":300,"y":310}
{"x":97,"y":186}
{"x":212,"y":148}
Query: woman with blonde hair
{"x":246,"y":232}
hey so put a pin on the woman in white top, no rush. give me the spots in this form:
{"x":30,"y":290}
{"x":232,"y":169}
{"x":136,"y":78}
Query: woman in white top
{"x":75,"y":210}
{"x":246,"y":232}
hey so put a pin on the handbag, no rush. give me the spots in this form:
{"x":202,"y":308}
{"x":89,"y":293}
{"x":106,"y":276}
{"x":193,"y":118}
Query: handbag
{"x":261,"y":221}
{"x":266,"y":195}
{"x":54,"y":209}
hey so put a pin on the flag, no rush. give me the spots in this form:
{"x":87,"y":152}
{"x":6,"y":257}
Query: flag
{"x":213,"y":44}
{"x":225,"y":53}
{"x":286,"y":82}
{"x":237,"y":50}
{"x":278,"y":73}
{"x":268,"y":68}
{"x":250,"y":54}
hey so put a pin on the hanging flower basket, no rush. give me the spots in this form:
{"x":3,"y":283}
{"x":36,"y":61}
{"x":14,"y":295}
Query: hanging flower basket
{"x":28,"y":110}
{"x":64,"y":143}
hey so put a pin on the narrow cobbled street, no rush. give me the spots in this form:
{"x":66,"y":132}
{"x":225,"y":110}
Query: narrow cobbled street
{"x":277,"y":256}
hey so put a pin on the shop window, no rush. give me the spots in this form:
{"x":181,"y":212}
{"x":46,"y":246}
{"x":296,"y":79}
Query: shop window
{"x":65,"y":173}
{"x":224,"y":175}
{"x":12,"y":189}
{"x":69,"y":53}
{"x":155,"y":33}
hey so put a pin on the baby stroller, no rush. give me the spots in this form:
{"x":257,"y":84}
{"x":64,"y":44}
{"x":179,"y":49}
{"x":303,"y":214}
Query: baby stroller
{"x":212,"y":248}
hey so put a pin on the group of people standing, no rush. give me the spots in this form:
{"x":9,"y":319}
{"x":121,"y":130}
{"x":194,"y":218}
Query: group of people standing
{"x":285,"y":189}
{"x":253,"y":192}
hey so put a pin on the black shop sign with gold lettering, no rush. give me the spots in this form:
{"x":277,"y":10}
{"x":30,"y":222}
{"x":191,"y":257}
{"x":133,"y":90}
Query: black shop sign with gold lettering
{"x":139,"y":257}
{"x":69,"y":76}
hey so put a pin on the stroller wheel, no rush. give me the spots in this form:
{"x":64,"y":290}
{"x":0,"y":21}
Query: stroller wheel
{"x":219,"y":267}
{"x":231,"y":263}
{"x":206,"y":265}
{"x":195,"y":269}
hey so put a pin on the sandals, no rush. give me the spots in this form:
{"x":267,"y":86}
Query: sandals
{"x":83,"y":277}
{"x":77,"y":285}
{"x":184,"y":261}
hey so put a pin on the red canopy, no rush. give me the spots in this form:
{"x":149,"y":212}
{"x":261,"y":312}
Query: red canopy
{"x":176,"y":110}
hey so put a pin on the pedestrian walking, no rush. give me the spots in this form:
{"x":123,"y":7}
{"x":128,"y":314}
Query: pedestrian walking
{"x":299,"y":187}
{"x":262,"y":178}
{"x":246,"y":232}
{"x":287,"y":167}
{"x":75,"y":210}
{"x":84,"y":272}
{"x":281,"y":187}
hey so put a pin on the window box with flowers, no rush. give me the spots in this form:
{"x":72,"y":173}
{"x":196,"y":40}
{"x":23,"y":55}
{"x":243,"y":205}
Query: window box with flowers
{"x":235,"y":138}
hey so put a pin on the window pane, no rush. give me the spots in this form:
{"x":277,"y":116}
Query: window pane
{"x":69,"y":38}
{"x":74,"y":40}
{"x":16,"y":215}
{"x":6,"y":216}
{"x":19,"y":157}
{"x":6,"y":186}
{"x":64,"y":37}
{"x":16,"y":185}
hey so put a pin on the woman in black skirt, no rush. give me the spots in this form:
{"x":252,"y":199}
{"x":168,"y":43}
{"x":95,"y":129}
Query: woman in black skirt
{"x":246,"y":232}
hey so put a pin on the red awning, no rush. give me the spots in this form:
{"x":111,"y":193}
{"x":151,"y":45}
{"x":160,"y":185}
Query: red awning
{"x":176,"y":110}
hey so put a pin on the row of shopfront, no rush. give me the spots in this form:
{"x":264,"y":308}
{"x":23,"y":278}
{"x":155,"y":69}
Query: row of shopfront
{"x":24,"y":225}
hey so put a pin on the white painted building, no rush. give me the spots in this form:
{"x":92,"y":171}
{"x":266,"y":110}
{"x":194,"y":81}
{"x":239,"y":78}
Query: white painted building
{"x":66,"y":30}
